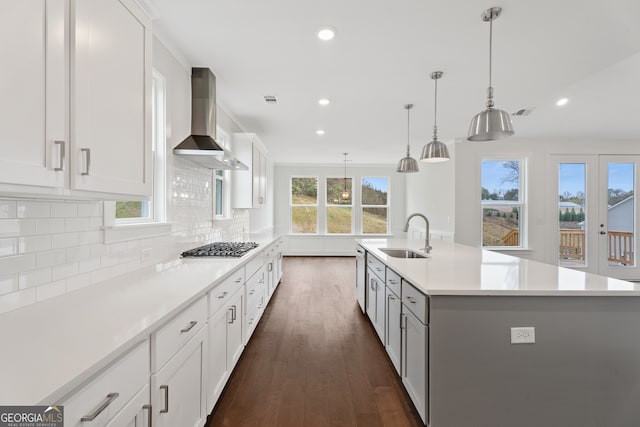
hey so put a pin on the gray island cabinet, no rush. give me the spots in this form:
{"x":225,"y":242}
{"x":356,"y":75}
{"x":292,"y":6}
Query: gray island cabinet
{"x":491,"y":340}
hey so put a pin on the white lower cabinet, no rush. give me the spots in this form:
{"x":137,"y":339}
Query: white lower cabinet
{"x":393,"y":343}
{"x":119,"y":393}
{"x":225,"y":345}
{"x":256,"y":302}
{"x":178,"y":394}
{"x":414,"y":366}
{"x":376,"y":302}
{"x":137,"y":413}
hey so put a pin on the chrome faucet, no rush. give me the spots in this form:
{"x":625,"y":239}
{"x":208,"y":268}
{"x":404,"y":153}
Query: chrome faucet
{"x":426,"y":248}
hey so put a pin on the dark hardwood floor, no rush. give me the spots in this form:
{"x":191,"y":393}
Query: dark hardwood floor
{"x":314,"y":359}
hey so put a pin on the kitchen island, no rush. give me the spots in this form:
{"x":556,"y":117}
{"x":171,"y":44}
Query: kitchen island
{"x":463,"y":364}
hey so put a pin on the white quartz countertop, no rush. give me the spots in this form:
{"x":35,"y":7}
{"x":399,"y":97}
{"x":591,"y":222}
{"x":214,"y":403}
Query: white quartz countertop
{"x":454,"y":269}
{"x":50,"y":348}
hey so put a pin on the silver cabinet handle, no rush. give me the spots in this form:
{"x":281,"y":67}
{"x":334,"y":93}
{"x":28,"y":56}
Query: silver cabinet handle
{"x":149,"y":408}
{"x":392,"y":298}
{"x":378,"y":269}
{"x":87,"y":153}
{"x":411,"y":300}
{"x":251,"y":321}
{"x":270,"y":267}
{"x":222,"y":295}
{"x":393,"y":282}
{"x":110,"y":398}
{"x":188,"y":327}
{"x":166,"y":399}
{"x":238,"y":280}
{"x":62,"y":155}
{"x":233,"y":313}
{"x":230,"y":310}
{"x":252,"y":291}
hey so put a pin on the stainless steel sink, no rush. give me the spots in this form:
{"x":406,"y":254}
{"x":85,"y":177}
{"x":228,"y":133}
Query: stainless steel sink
{"x":403,"y":253}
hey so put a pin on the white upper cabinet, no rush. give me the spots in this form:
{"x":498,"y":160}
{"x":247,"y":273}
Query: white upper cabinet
{"x":75,"y":110}
{"x":249,"y":187}
{"x":33,"y":88}
{"x":111,"y":97}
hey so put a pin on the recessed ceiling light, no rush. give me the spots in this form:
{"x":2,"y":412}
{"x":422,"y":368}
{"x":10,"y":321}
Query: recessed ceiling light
{"x":326,"y":33}
{"x":562,"y":101}
{"x":324,"y":102}
{"x":319,"y":132}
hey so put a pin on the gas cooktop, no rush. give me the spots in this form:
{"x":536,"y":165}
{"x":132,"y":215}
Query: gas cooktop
{"x":221,"y":249}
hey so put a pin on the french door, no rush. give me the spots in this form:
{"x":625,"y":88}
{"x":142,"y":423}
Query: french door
{"x":596,"y":214}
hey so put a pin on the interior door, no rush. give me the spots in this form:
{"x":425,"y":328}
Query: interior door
{"x":617,"y":216}
{"x":596,"y":214}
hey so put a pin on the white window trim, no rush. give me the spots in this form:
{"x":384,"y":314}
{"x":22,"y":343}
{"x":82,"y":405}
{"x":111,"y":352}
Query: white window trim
{"x":116,"y":230}
{"x":291,"y":205}
{"x":362,"y":206}
{"x":222,"y":137}
{"x":523,"y":231}
{"x":328,"y":205}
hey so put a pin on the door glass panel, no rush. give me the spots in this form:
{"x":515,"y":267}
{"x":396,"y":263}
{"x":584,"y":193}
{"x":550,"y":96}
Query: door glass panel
{"x":571,"y":214}
{"x":620,"y":214}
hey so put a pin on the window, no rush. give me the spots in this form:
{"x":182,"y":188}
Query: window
{"x":339,"y":206}
{"x":145,"y":211}
{"x":503,"y":203}
{"x":304,"y":205}
{"x":221,"y":181}
{"x":375,"y":205}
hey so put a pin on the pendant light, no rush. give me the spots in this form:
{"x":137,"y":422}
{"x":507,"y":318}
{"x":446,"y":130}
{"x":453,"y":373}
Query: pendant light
{"x":491,"y":123}
{"x":345,"y":195}
{"x":435,"y":151}
{"x":407,"y":164}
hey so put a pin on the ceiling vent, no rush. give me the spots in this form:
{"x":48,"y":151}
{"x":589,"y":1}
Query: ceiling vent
{"x":523,"y":112}
{"x":270,"y":99}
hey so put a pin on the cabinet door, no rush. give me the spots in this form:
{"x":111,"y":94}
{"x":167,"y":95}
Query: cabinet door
{"x":178,"y":395}
{"x":136,"y":413}
{"x":414,"y":369}
{"x":235,"y":343}
{"x":393,"y":334}
{"x":372,"y":283}
{"x":33,"y":87}
{"x":263,"y":180}
{"x":381,"y":305}
{"x":217,"y":369}
{"x":110,"y":97}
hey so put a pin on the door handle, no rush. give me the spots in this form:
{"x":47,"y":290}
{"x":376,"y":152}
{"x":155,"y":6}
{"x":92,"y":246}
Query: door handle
{"x":230,"y":310}
{"x":149,"y":408}
{"x":110,"y":398}
{"x":188,"y":327}
{"x":62,"y":155}
{"x":87,"y":153}
{"x":603,"y":232}
{"x":166,"y":399}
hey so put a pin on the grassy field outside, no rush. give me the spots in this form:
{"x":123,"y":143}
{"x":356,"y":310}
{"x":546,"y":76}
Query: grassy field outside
{"x":304,"y":219}
{"x":496,"y":224}
{"x":131,"y":209}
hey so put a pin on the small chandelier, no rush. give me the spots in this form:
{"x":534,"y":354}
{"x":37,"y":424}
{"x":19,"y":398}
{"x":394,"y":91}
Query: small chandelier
{"x":407,"y":164}
{"x":435,"y":151}
{"x":345,"y":195}
{"x":491,"y":123}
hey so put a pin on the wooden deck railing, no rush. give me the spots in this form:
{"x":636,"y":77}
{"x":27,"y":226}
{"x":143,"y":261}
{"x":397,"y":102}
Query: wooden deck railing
{"x":571,"y":244}
{"x":621,"y":247}
{"x":511,"y":238}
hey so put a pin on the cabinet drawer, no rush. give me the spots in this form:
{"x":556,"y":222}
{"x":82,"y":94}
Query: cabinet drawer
{"x":376,"y":266}
{"x":415,"y":301}
{"x":255,"y":292}
{"x":103,"y":397}
{"x":175,"y":334}
{"x":394,"y":282}
{"x":219,"y":295}
{"x":253,"y":266}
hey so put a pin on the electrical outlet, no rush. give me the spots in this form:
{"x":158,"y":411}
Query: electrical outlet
{"x":523,"y":335}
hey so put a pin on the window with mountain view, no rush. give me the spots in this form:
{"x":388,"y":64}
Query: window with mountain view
{"x":375,"y":205}
{"x":502,"y":200}
{"x":339,"y":206}
{"x":304,"y":205}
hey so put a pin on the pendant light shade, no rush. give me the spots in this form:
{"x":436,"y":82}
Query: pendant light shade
{"x":345,"y":195}
{"x":491,"y":123}
{"x":408,"y":164}
{"x":435,"y":151}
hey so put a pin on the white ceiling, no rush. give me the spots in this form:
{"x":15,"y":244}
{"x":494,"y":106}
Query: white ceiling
{"x":381,"y":59}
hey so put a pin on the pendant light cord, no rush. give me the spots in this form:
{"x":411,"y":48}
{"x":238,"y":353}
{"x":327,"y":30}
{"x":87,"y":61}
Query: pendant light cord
{"x":408,"y":143}
{"x":490,"y":103}
{"x":435,"y":111}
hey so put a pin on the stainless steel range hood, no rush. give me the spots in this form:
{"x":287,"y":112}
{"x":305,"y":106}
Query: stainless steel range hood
{"x":200,"y":147}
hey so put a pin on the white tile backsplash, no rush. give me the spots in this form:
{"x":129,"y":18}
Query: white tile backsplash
{"x":50,"y":247}
{"x":33,"y":209}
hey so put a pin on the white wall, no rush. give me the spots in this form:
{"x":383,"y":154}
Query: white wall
{"x":542,"y":188}
{"x":431,"y":192}
{"x":323,"y":244}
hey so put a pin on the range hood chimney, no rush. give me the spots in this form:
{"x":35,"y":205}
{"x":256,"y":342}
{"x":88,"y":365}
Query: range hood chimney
{"x":200,"y":147}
